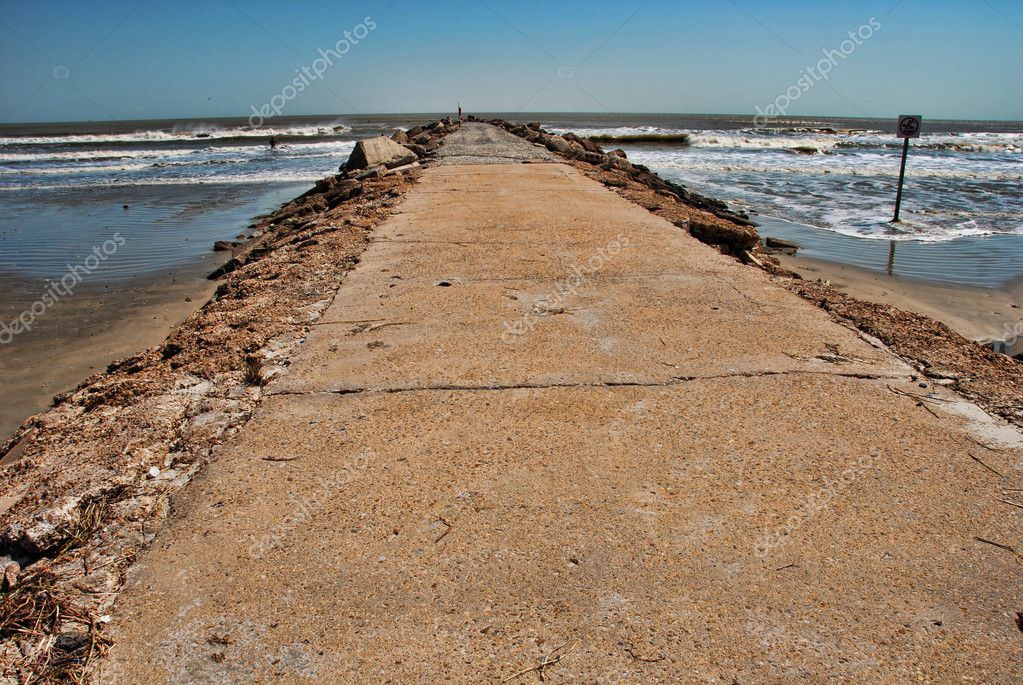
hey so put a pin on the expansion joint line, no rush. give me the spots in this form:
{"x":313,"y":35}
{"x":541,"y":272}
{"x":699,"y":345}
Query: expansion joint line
{"x":673,"y":381}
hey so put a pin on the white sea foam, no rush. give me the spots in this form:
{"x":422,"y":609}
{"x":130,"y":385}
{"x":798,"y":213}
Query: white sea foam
{"x":263,"y":177}
{"x":961,"y":184}
{"x":768,"y":139}
{"x":183,"y":134}
{"x":948,"y":196}
{"x":873,"y":167}
{"x":93,"y":154}
{"x":81,"y":169}
{"x":618,"y":131}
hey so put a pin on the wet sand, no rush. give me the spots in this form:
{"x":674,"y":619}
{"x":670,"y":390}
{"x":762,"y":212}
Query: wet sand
{"x":973,"y":285}
{"x":974,"y":312}
{"x":83,"y":333}
{"x":149,"y":285}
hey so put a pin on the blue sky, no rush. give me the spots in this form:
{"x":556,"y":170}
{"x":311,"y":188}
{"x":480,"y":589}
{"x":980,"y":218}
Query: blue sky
{"x":77,"y":61}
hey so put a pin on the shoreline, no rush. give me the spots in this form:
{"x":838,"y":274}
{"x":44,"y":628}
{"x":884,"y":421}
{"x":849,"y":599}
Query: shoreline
{"x":115,"y":313}
{"x":980,"y":314}
{"x":84,"y":333}
{"x":990,"y":261}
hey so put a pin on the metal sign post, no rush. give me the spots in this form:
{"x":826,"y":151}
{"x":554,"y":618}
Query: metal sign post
{"x":909,"y":127}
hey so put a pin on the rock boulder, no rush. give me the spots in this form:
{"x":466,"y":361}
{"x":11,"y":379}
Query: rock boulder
{"x":615,"y":162}
{"x":379,"y":151}
{"x":558,"y":144}
{"x":736,"y":240}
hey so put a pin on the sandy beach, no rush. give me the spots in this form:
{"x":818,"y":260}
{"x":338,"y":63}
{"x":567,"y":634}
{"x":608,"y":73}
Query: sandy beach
{"x":82,"y":334}
{"x":974,"y":312}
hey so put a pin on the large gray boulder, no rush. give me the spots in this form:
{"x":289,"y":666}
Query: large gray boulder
{"x":613,"y":161}
{"x":575,"y":150}
{"x":558,"y":144}
{"x":379,"y":151}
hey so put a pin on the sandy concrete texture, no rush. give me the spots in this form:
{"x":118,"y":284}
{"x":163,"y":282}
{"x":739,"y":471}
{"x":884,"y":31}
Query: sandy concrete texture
{"x":677,"y":473}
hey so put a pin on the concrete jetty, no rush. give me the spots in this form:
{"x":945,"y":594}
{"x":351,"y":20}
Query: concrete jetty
{"x":541,"y":432}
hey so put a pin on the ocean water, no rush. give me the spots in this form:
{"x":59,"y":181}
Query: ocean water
{"x":64,"y":187}
{"x":963,"y":179}
{"x":44,"y":233}
{"x":190,"y":182}
{"x":151,"y":153}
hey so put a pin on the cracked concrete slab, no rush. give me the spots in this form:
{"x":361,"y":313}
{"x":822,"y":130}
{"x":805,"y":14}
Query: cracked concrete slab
{"x":759,"y":528}
{"x":517,"y":332}
{"x":522,"y":294}
{"x":686,"y":475}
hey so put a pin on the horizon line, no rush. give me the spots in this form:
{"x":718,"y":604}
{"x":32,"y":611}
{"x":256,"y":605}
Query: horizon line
{"x":789,"y":117}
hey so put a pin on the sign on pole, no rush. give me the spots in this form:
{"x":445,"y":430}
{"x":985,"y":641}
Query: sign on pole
{"x":909,"y":127}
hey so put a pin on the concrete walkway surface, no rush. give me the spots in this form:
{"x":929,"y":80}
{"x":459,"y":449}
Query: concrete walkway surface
{"x":543,"y":433}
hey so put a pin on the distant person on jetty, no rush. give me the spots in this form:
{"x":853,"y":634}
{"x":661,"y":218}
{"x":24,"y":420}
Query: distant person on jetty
{"x":459,"y":111}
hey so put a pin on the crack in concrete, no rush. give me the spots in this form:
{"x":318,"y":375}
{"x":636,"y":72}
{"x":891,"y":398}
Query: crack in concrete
{"x":746,"y":296}
{"x":555,"y":278}
{"x":473,"y":243}
{"x":671,"y":382}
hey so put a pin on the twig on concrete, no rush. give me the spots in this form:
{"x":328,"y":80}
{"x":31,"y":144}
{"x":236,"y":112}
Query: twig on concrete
{"x":1007,"y":548}
{"x":921,"y":400}
{"x":446,"y":530}
{"x":545,"y":662}
{"x":280,"y":458}
{"x":915,"y":396}
{"x":989,"y":468}
{"x":639,"y":657}
{"x":1011,"y":504}
{"x":383,"y":325}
